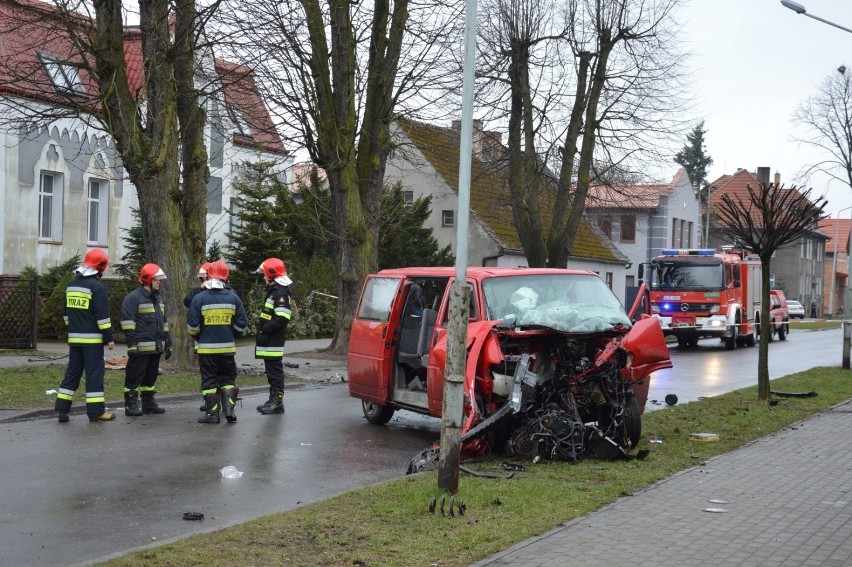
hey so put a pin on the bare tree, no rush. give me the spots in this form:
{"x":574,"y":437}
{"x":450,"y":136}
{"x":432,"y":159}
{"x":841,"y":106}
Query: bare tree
{"x":157,"y":126}
{"x":826,"y":118}
{"x":590,"y":88}
{"x":771,"y":218}
{"x":335,"y":72}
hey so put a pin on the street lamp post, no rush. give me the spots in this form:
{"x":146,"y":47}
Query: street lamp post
{"x":799,"y":9}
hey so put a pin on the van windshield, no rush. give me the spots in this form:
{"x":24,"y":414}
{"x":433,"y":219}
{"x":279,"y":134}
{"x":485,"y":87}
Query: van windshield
{"x":574,"y":303}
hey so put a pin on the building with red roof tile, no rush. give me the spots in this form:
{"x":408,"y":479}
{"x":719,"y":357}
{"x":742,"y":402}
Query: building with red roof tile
{"x":62,"y":185}
{"x":644,"y":218}
{"x":799,"y":270}
{"x":836,"y":277}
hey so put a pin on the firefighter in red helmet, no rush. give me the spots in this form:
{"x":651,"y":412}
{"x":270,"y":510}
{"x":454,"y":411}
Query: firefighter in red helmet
{"x":272,"y":331}
{"x":216,"y":318}
{"x":86,"y":315}
{"x":202,"y":277}
{"x":143,"y":320}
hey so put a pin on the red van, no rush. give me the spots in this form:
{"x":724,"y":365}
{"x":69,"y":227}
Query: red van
{"x":555,"y":364}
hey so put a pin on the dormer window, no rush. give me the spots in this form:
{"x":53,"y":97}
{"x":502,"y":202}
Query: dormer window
{"x":65,"y":76}
{"x":239,"y":120}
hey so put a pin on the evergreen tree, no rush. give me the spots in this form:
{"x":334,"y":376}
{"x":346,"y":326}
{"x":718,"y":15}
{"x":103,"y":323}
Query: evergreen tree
{"x":214,"y":251}
{"x":403,"y":240}
{"x":693,"y":157}
{"x":260,"y":231}
{"x":135,"y":258}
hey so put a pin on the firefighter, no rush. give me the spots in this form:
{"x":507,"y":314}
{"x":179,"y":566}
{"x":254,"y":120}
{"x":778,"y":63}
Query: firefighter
{"x":216,"y":318}
{"x":272,"y":331}
{"x":143,"y":320}
{"x":202,"y":277}
{"x":86,"y":315}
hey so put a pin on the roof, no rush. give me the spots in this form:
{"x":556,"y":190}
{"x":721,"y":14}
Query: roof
{"x":489,"y":192}
{"x":631,"y":195}
{"x":837,"y":231}
{"x":736,"y":186}
{"x":30,"y":30}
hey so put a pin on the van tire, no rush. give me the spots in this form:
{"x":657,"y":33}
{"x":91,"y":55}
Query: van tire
{"x":782,"y":332}
{"x":375,"y":413}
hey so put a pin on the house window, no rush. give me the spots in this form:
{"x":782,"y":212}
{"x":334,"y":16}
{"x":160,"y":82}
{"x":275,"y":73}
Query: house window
{"x":608,"y":279}
{"x":408,"y":198}
{"x":689,"y":228}
{"x":64,"y":76}
{"x":674,"y":234}
{"x":630,"y":281}
{"x":628,"y":229}
{"x":239,"y":120}
{"x":97,"y":211}
{"x":682,"y":231}
{"x":605,"y":224}
{"x":50,"y":206}
{"x":234,"y":221}
{"x":448,"y":218}
{"x":214,"y":196}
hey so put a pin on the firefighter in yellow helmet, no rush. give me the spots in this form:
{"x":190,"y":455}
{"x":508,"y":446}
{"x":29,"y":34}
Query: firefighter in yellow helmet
{"x":86,"y":315}
{"x":146,"y":329}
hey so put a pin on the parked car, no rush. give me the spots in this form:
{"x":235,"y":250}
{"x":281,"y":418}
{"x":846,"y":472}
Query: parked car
{"x":779,"y":315}
{"x":555,"y":366}
{"x":795,"y":309}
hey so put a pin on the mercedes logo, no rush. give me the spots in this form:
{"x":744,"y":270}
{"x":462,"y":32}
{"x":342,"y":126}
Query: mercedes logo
{"x":684,"y":307}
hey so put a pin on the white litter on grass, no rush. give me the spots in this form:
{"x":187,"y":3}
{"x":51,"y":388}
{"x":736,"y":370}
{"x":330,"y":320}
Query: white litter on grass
{"x":230,"y":472}
{"x":49,"y":392}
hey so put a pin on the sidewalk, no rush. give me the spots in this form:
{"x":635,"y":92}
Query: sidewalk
{"x":784,"y":500}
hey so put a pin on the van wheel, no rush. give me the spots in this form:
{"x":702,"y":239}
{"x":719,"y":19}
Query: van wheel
{"x":631,"y":429}
{"x":375,"y":413}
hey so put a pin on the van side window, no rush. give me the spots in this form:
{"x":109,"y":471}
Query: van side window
{"x":377,"y":299}
{"x":473,"y":312}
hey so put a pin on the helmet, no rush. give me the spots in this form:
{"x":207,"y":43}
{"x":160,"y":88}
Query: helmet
{"x":96,"y":259}
{"x":202,"y":271}
{"x":272,"y":268}
{"x":150,"y":273}
{"x":218,"y":270}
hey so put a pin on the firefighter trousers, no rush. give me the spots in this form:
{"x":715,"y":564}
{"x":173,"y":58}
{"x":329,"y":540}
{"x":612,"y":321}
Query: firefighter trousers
{"x":88,"y":359}
{"x":142,"y":370}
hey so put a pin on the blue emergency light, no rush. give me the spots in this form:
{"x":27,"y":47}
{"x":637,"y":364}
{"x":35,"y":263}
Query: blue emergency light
{"x":696,"y":252}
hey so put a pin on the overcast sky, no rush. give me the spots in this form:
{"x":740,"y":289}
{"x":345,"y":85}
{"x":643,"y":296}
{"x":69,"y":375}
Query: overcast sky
{"x":755,"y":61}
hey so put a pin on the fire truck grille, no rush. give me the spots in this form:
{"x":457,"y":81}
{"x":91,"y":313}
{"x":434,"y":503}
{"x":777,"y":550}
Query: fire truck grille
{"x":676,"y":308}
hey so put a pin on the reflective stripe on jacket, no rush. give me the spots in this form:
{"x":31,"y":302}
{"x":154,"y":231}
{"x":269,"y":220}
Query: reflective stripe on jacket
{"x":143,"y":320}
{"x":216,"y":317}
{"x":86,"y":312}
{"x":272,"y":325}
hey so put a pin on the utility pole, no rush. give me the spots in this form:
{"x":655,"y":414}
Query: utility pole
{"x":453,"y":409}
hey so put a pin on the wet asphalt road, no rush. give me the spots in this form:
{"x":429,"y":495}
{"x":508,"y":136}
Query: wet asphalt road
{"x":78,"y":491}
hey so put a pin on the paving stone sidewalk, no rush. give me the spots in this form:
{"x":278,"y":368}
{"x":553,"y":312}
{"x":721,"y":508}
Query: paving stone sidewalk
{"x":785,"y":500}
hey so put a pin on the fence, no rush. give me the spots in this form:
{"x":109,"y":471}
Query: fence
{"x":19,"y":303}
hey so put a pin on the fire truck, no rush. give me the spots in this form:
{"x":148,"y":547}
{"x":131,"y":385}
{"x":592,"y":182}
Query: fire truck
{"x":706,"y":293}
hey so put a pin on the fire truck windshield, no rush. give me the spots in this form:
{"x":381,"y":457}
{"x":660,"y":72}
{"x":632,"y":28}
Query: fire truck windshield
{"x":687,"y":275}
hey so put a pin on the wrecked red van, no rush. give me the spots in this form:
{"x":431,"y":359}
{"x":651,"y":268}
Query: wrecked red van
{"x":555,"y":367}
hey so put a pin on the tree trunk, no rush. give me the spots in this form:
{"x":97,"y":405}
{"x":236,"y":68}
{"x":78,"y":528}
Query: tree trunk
{"x":763,"y":353}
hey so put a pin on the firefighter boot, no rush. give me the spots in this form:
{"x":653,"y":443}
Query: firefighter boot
{"x":269,"y":402}
{"x":275,"y":403}
{"x":149,"y":405}
{"x":228,"y":396}
{"x":131,"y":404}
{"x":211,"y":409}
{"x":106,"y":416}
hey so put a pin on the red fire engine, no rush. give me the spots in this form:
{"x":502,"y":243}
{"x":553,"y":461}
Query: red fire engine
{"x":705,"y":293}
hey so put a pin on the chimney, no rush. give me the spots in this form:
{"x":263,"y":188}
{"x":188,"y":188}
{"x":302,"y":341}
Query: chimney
{"x":777,"y":179}
{"x":763,"y":174}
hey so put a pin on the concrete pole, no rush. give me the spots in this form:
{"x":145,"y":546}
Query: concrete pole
{"x":847,"y":343}
{"x":453,"y":408}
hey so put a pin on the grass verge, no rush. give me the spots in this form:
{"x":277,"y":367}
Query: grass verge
{"x":389,"y":523}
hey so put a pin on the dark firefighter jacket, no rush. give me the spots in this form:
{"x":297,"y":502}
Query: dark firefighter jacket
{"x":272,"y":326}
{"x":216,"y":318}
{"x":87,"y":312}
{"x":143,"y":320}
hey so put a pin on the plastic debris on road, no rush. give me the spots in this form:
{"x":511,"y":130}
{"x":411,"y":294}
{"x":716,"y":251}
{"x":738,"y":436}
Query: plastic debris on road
{"x":230,"y":472}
